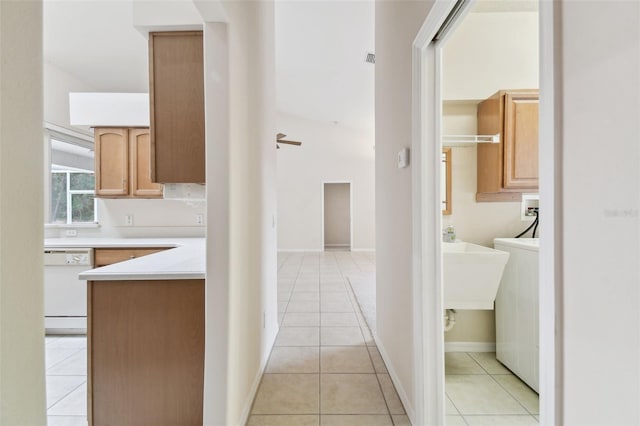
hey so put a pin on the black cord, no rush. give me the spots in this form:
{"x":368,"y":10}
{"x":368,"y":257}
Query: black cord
{"x":534,"y":225}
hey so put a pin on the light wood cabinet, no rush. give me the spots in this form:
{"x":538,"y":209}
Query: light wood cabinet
{"x":145,"y":352}
{"x":123,"y":164}
{"x":111,"y":162}
{"x":176,"y":95}
{"x":509,"y":168}
{"x":108,"y":256}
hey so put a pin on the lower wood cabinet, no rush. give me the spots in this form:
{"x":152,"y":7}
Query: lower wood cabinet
{"x":108,"y":256}
{"x":145,"y":352}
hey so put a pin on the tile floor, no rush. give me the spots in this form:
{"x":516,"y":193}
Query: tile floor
{"x":66,"y":364}
{"x":481,"y":391}
{"x":325,"y":368}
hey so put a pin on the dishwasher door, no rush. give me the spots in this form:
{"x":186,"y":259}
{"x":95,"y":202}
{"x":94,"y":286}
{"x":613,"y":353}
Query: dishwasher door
{"x":65,"y":296}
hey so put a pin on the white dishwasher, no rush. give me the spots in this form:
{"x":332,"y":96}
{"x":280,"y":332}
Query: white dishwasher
{"x":65,"y":296}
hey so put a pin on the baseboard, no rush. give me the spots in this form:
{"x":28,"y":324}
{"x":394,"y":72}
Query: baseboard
{"x":337,"y":245}
{"x":244,"y":418}
{"x":364,"y":250}
{"x":408,"y":405}
{"x":300,"y":251}
{"x":469,"y":346}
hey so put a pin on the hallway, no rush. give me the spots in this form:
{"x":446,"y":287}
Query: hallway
{"x":324,"y":368}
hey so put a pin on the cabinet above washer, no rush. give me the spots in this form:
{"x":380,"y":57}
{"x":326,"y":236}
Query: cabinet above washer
{"x":509,"y":168}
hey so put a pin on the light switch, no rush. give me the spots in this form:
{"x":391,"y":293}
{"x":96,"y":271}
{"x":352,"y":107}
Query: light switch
{"x":403,"y":158}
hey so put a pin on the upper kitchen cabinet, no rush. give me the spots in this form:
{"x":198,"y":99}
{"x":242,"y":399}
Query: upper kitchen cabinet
{"x":123,"y":163}
{"x":111,"y":162}
{"x":509,"y":168}
{"x":140,"y":165}
{"x":177,"y":106}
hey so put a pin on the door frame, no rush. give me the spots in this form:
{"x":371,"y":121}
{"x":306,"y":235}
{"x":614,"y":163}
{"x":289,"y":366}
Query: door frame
{"x":322,"y":247}
{"x":427,"y":217}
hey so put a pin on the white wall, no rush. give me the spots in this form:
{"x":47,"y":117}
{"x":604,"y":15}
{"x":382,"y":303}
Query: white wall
{"x":474,"y":222}
{"x":491,"y":51}
{"x":241,"y":243}
{"x":22,"y":381}
{"x":57,"y":85}
{"x":152,"y":218}
{"x":397,"y":24}
{"x":329,"y":153}
{"x":487,"y":52}
{"x":599,"y":84}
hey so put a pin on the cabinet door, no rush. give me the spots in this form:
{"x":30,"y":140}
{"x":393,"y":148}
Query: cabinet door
{"x":112,"y":162}
{"x":140,"y":162}
{"x":177,"y":106}
{"x":145,"y":352}
{"x":521,"y":141}
{"x":109,"y":256}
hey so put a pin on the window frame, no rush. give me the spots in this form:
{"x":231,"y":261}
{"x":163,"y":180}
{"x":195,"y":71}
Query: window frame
{"x":74,"y":137}
{"x":70,"y":193}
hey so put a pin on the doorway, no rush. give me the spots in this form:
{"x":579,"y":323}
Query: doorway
{"x":336,"y":211}
{"x":432,"y":406}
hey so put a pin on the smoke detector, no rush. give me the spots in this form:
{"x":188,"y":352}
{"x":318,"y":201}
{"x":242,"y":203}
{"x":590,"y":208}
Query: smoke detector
{"x":371,"y":58}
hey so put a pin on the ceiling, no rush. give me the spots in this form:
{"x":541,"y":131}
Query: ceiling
{"x":321,"y":71}
{"x":320,"y":52}
{"x":95,"y":41}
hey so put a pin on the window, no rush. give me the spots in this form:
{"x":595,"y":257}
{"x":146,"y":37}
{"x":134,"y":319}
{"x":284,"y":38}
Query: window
{"x":70,"y":188}
{"x":72,"y":197}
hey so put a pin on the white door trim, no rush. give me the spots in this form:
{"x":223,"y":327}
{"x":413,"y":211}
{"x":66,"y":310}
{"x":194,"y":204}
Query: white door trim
{"x":551,"y":257}
{"x":427,"y":221}
{"x":427,"y":218}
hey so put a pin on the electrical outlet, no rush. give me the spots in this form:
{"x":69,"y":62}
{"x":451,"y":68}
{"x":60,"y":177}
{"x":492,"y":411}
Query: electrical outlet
{"x":71,"y":233}
{"x":200,"y":219}
{"x":128,"y":220}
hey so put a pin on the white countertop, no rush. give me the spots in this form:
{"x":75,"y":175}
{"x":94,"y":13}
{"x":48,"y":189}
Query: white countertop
{"x":185,"y":259}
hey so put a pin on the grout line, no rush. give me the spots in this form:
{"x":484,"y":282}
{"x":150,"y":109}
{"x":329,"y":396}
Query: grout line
{"x":66,"y":395}
{"x":448,"y":398}
{"x":63,"y":360}
{"x":512,"y":395}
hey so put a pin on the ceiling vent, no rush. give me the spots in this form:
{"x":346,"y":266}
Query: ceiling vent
{"x":371,"y":58}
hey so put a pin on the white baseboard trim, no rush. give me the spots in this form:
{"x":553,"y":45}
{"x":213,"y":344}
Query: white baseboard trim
{"x":469,"y":346}
{"x":364,"y":250}
{"x":408,"y":405}
{"x":300,"y":251}
{"x":244,"y":418}
{"x":246,"y":411}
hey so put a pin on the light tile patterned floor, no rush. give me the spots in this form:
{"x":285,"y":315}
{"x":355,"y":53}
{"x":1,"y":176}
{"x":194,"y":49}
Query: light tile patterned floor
{"x":342,"y":380}
{"x":66,"y":363}
{"x":481,"y":391}
{"x":324,"y":368}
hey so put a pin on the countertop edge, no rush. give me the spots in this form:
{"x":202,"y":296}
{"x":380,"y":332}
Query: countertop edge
{"x":184,"y":259}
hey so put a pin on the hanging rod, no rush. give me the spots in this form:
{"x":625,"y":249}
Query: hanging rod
{"x":458,"y":140}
